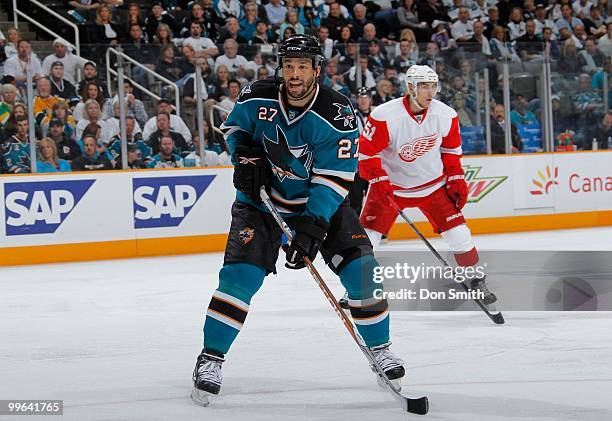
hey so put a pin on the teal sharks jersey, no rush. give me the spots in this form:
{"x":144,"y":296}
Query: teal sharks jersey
{"x":312,"y":152}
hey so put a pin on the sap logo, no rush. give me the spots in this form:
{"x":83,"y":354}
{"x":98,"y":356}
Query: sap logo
{"x":41,"y":207}
{"x":166,"y":201}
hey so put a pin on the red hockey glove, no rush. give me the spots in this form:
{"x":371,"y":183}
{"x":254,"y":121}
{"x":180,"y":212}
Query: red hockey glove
{"x":380,"y":188}
{"x":457,"y":189}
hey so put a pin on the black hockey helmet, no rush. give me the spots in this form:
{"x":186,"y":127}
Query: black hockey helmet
{"x":302,"y":46}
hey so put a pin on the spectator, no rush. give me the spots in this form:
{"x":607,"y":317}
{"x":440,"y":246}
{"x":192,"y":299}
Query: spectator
{"x":480,"y":42}
{"x":16,"y":148}
{"x":113,"y":123}
{"x":189,"y":92}
{"x":580,"y":34}
{"x":210,"y":159}
{"x":529,"y":47}
{"x":581,"y":8}
{"x":376,"y":60}
{"x":43,"y":101}
{"x":12,"y":39}
{"x":235,"y":63}
{"x":466,"y":117}
{"x":262,"y":34}
{"x":463,"y":29}
{"x":542,"y":21}
{"x":498,"y":132}
{"x":229,"y":8}
{"x":168,"y":66}
{"x":521,"y":116}
{"x":562,"y":115}
{"x":229,"y":102}
{"x":134,"y":16}
{"x":71,"y":62}
{"x":9,"y":99}
{"x":333,"y":79}
{"x":587,"y":101}
{"x":258,"y":62}
{"x":18,"y":64}
{"x":359,"y":19}
{"x":551,"y":47}
{"x":249,"y":21}
{"x":432,"y":10}
{"x":605,"y":42}
{"x":516,"y":26}
{"x":276,"y":12}
{"x":135,"y":106}
{"x":176,"y":123}
{"x":367,"y":78}
{"x":204,"y":14}
{"x":479,"y":10}
{"x":48,"y":159}
{"x":61,"y":87}
{"x":408,"y":17}
{"x":346,"y":60}
{"x":594,"y":23}
{"x":10,"y":128}
{"x":501,"y":49}
{"x":442,"y":37}
{"x":163,"y":129}
{"x":335,"y":21}
{"x":84,"y":5}
{"x":136,"y":47}
{"x":292,"y":20}
{"x":93,"y":114}
{"x":61,"y":112}
{"x":163,"y":38}
{"x":203,"y":47}
{"x":166,"y":158}
{"x":568,"y":20}
{"x":232,"y":30}
{"x":134,"y":159}
{"x":92,"y":159}
{"x":90,"y":74}
{"x":383,"y":93}
{"x":66,"y":147}
{"x":491,"y":22}
{"x":601,"y":133}
{"x":591,"y":59}
{"x":133,"y":139}
{"x":262,"y":73}
{"x":408,"y":56}
{"x":105,"y":30}
{"x":159,"y":15}
{"x":568,"y":62}
{"x":369,"y":36}
{"x":91,"y":90}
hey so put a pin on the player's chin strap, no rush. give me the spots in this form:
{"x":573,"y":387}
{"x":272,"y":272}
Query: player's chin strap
{"x":415,"y":101}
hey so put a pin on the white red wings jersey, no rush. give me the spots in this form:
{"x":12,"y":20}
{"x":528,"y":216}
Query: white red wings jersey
{"x":412,"y":150}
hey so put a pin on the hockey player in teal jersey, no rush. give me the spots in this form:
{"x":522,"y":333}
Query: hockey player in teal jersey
{"x":298,"y":139}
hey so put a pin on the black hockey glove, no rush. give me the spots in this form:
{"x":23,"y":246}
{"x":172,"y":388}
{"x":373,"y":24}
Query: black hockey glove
{"x":251,"y":171}
{"x":309,"y":234}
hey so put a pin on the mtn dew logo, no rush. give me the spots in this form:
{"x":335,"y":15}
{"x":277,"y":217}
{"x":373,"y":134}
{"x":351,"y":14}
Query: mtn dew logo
{"x":479,"y":187}
{"x":544,"y":181}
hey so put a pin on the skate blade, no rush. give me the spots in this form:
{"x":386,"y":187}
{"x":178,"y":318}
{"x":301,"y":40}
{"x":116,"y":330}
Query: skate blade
{"x":396,"y":383}
{"x":200,"y":397}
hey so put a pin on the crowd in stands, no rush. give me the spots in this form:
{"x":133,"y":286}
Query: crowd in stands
{"x":367,"y":44}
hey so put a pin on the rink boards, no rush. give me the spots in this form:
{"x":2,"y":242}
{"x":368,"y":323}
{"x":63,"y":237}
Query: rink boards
{"x":91,"y":216}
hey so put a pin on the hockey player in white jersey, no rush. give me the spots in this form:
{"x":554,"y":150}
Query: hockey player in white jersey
{"x":410,"y":150}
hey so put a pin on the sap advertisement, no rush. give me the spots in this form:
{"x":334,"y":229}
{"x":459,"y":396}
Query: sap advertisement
{"x":74,"y":208}
{"x":113,"y":206}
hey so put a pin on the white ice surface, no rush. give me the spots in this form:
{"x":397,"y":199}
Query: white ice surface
{"x":117,"y":340}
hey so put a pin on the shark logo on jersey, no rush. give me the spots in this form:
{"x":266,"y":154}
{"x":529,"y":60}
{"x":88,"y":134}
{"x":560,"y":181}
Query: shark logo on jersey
{"x":292,"y":162}
{"x":246,"y":235}
{"x":345,"y":113}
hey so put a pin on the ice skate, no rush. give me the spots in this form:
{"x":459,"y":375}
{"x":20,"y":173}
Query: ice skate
{"x":479,"y":284}
{"x":343,"y":302}
{"x":390,"y":364}
{"x":206,"y":378}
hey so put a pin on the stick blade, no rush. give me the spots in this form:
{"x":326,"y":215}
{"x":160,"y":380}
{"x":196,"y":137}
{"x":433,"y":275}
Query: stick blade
{"x":419,"y":406}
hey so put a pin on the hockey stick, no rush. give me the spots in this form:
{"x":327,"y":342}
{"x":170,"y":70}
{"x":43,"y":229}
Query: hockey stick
{"x":494,"y":315}
{"x":413,"y":405}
